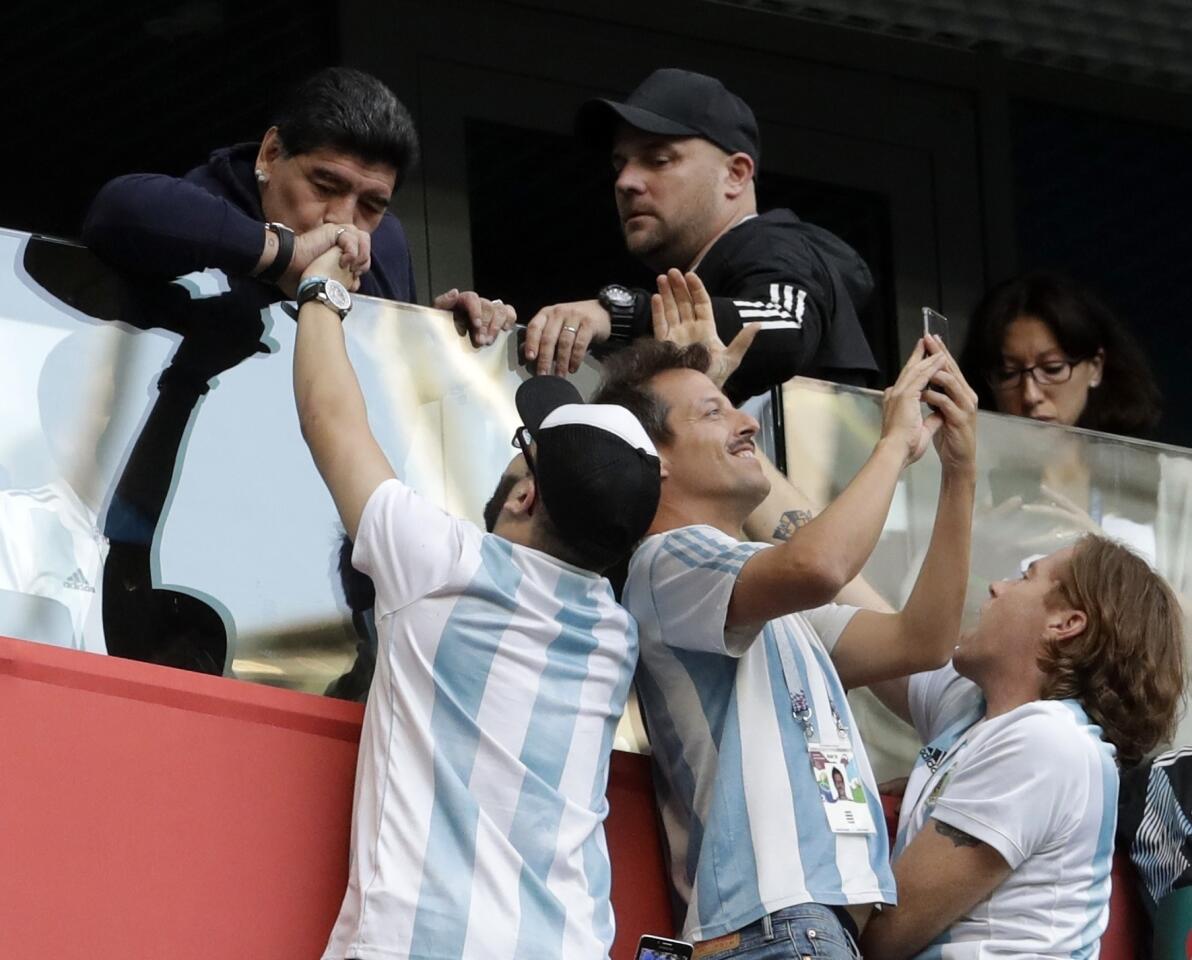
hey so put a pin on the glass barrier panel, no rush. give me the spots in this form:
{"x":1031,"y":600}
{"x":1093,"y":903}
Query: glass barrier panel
{"x":142,"y":516}
{"x":1040,"y":487}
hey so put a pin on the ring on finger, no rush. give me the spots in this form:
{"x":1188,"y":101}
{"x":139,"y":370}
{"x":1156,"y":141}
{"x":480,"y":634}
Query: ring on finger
{"x":570,"y":329}
{"x":340,"y":232}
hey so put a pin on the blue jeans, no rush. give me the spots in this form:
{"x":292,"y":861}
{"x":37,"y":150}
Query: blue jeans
{"x":809,"y":930}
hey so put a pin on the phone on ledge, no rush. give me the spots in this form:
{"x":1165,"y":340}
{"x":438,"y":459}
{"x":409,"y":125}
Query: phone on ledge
{"x":660,"y":948}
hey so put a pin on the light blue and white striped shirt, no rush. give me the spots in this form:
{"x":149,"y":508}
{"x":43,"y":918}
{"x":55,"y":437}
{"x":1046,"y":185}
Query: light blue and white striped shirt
{"x":1040,"y":786}
{"x":480,"y":787}
{"x":745,"y":825}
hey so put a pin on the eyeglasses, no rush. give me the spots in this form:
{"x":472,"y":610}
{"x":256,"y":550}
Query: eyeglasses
{"x":1047,"y":374}
{"x":522,"y":438}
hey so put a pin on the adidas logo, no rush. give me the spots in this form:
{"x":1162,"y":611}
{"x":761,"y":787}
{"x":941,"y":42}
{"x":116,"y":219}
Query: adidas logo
{"x":76,"y":581}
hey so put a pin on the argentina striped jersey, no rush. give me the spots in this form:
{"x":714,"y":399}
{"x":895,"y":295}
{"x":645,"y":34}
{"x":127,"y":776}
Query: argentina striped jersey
{"x":1040,"y":786}
{"x":480,"y":787}
{"x":746,"y":829}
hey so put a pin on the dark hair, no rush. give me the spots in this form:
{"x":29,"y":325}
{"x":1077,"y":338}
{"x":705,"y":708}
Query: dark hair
{"x":350,"y":111}
{"x":1127,"y":667}
{"x":358,"y":587}
{"x":1127,"y":400}
{"x":589,"y":556}
{"x":627,"y":375}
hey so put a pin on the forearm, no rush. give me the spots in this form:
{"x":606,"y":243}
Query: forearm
{"x":933,"y":611}
{"x":941,"y":876}
{"x":785,"y":509}
{"x":332,"y":415}
{"x":326,"y":390}
{"x":845,"y":533}
{"x":161,"y":225}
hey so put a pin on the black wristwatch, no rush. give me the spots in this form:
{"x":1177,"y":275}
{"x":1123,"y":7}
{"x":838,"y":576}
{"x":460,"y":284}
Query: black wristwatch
{"x":285,"y":253}
{"x":331,"y":292}
{"x":621,"y":304}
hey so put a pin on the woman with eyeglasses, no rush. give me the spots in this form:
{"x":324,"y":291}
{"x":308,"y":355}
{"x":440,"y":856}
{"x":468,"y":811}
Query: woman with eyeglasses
{"x":1042,"y":346}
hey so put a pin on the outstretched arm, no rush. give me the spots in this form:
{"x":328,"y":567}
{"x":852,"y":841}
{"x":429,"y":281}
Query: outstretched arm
{"x":331,"y":409}
{"x":787,"y":312}
{"x":811,"y":567}
{"x":921,"y":636}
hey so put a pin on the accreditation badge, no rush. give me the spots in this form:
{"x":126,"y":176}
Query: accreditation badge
{"x":840,"y":788}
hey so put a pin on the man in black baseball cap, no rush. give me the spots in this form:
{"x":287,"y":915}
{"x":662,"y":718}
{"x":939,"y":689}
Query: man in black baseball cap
{"x":685,"y":150}
{"x":594,"y":470}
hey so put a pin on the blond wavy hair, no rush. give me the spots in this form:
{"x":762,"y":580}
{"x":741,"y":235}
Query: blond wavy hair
{"x":1127,"y":667}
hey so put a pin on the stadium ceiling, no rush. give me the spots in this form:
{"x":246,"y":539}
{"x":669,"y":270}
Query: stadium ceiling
{"x":1147,"y":42}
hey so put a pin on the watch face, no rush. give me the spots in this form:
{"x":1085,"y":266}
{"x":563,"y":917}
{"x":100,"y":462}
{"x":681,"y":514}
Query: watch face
{"x":618,"y":295}
{"x":337,"y":295}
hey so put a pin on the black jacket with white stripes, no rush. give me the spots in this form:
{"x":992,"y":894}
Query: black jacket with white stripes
{"x":804,"y":284}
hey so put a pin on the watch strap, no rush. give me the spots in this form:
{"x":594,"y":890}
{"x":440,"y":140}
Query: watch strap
{"x":315,"y":288}
{"x":285,"y":253}
{"x":622,"y":326}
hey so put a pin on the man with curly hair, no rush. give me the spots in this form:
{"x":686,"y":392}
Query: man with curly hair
{"x":1005,"y":839}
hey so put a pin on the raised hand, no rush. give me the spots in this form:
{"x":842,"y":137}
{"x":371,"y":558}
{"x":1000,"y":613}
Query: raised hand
{"x":341,"y":262}
{"x":903,"y":422}
{"x":682,"y":313}
{"x":955,"y":402}
{"x":354,"y":244}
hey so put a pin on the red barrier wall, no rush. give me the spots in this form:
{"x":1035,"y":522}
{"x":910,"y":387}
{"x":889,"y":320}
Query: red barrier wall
{"x":151,"y":813}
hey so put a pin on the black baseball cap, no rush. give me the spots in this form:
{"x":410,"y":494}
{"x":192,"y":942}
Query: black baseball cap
{"x":597,"y":471}
{"x":676,"y":103}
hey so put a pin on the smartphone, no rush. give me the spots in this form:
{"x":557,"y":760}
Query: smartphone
{"x":935,"y":323}
{"x":660,"y":948}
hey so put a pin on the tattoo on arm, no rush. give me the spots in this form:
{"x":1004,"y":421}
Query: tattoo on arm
{"x":958,"y":837}
{"x":790,"y":521}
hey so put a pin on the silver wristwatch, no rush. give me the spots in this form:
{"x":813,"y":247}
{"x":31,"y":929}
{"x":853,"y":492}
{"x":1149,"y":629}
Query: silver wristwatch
{"x":328,"y":291}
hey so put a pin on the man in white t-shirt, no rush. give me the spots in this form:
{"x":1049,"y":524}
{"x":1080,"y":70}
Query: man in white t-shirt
{"x":503,"y":665}
{"x":1005,"y":839}
{"x":744,"y":660}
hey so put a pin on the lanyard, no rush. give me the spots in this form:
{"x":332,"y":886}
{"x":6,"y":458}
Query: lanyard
{"x":801,"y":708}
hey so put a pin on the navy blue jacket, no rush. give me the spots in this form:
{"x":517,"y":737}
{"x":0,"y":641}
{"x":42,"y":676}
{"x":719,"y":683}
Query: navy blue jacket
{"x":163,"y":226}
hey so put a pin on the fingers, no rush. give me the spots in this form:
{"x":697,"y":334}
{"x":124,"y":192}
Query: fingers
{"x":912,"y":370}
{"x":507,"y":316}
{"x":667,"y":292}
{"x":944,"y":406}
{"x":937,"y":345}
{"x":327,"y":264}
{"x":542,"y":335}
{"x":734,"y":353}
{"x":568,"y":330}
{"x":914,"y":377}
{"x":534,"y":333}
{"x":579,"y":349}
{"x":658,"y":315}
{"x":682,"y":292}
{"x":700,"y":298}
{"x":446,"y":300}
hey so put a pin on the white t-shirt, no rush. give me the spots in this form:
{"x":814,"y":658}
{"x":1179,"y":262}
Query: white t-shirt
{"x":1039,"y":785}
{"x":747,"y":831}
{"x":51,"y":547}
{"x":480,"y":786}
